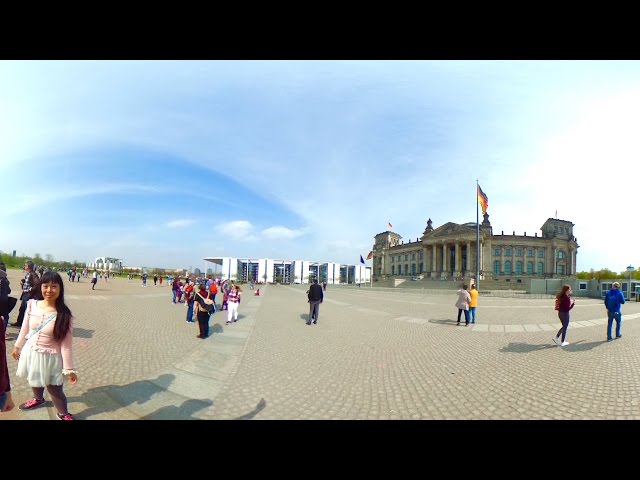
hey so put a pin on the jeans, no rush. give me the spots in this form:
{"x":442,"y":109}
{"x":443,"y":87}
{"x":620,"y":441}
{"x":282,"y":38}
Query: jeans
{"x":564,"y":318}
{"x":472,"y":313}
{"x":190,"y":312}
{"x":174,"y":295}
{"x":618,"y":318}
{"x":466,"y":315}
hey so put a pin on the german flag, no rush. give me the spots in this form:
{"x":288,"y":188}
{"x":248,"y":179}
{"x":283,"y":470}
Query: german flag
{"x":370,"y":256}
{"x":483,"y":200}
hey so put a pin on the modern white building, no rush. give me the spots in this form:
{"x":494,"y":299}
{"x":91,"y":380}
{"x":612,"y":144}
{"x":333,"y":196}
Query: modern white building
{"x":105,"y":264}
{"x":267,"y":270}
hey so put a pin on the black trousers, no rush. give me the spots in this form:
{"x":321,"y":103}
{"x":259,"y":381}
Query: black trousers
{"x":203,"y":323}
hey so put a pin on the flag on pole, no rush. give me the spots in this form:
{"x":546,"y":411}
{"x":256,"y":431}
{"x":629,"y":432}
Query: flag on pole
{"x":361,"y":260}
{"x":483,"y":200}
{"x":370,"y":256}
{"x":390,"y":226}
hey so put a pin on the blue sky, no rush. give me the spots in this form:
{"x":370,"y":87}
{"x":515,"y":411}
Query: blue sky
{"x":162,"y":163}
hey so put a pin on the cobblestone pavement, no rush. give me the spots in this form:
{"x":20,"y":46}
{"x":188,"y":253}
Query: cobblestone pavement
{"x":374,"y":354}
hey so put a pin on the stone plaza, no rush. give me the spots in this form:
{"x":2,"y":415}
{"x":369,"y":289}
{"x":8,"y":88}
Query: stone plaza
{"x":376,"y":354}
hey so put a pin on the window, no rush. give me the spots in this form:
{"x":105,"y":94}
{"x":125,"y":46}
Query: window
{"x":421,"y":252}
{"x":413,"y":256}
{"x":413,"y":268}
{"x":399,"y":269}
{"x":406,"y":269}
{"x":496,"y":252}
{"x":540,"y":268}
{"x":530,"y":252}
{"x":519,"y":252}
{"x":421,"y":267}
{"x":507,"y":267}
{"x":561,"y":255}
{"x":540,"y":253}
{"x":406,"y":257}
{"x":393,"y":269}
{"x":582,"y":285}
{"x":392,"y":259}
{"x":560,"y":270}
{"x":507,"y":252}
{"x":496,"y":267}
{"x":518,"y":267}
{"x":529,"y":268}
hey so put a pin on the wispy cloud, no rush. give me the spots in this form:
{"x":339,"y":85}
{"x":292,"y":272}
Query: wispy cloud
{"x":280,"y":232}
{"x":237,"y":230}
{"x":180,"y":223}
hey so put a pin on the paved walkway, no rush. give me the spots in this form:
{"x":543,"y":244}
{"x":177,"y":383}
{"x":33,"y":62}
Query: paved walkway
{"x":374,"y":354}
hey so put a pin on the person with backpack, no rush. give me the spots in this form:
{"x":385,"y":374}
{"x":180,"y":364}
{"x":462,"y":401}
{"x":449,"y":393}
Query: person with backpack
{"x":612,"y":300}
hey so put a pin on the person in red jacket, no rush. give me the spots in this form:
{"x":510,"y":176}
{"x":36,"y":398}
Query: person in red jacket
{"x":565,"y":304}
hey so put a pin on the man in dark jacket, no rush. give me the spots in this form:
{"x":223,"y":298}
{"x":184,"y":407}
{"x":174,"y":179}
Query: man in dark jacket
{"x":315,"y":296}
{"x":30,"y":289}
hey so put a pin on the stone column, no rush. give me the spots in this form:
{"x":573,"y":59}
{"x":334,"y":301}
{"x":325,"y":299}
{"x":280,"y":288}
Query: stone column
{"x":468,"y":267}
{"x":457,"y":257}
{"x":433,"y":260}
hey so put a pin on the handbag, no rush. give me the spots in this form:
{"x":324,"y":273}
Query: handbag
{"x":11,"y":302}
{"x":205,"y":303}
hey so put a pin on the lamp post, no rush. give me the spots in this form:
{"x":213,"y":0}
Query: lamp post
{"x":629,"y":270}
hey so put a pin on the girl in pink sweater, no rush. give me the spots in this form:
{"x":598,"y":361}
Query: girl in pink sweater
{"x":44,"y":348}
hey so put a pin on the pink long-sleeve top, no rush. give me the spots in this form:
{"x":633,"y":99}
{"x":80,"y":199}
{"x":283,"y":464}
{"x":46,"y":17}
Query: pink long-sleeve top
{"x":44,"y":341}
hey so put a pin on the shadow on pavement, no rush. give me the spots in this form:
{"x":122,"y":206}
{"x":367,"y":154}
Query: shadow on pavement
{"x":183,"y":412}
{"x":442,"y":321}
{"x":519,"y":347}
{"x":259,"y":407}
{"x":138,"y":392}
{"x":82,"y":332}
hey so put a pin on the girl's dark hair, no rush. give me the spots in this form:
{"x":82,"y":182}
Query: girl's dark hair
{"x":63,"y":320}
{"x":563,"y":291}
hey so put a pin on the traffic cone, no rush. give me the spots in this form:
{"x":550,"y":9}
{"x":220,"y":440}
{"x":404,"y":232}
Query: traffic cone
{"x":257,"y":294}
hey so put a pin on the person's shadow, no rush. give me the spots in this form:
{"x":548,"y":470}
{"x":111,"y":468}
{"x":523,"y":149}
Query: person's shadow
{"x":262,"y":404}
{"x":520,"y":347}
{"x":101,"y":399}
{"x":305,"y":317}
{"x":183,"y":412}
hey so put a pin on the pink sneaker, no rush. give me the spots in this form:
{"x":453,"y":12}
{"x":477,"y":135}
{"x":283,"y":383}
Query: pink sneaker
{"x":30,"y":404}
{"x":66,"y":416}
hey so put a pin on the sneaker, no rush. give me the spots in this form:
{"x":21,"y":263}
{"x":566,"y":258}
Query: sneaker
{"x":564,"y":344}
{"x":66,"y":416}
{"x":618,"y":336}
{"x":556,"y":341}
{"x":609,"y":339}
{"x":30,"y":404}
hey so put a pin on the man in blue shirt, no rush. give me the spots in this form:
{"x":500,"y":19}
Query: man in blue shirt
{"x":612,"y":300}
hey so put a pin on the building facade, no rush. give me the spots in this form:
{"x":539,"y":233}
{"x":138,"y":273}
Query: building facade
{"x":267,"y":270}
{"x":449,"y":252}
{"x":106,"y":264}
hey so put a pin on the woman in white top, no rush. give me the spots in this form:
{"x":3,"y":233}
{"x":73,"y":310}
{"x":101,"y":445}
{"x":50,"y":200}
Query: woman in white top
{"x":463,"y":304}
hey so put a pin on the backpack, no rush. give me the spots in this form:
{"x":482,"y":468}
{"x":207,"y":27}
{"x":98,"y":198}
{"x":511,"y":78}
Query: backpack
{"x":612,"y":301}
{"x":557,"y":304}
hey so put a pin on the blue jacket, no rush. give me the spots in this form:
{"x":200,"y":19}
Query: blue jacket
{"x":613,"y":300}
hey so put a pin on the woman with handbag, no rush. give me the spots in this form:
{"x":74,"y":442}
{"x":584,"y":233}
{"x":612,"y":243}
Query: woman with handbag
{"x":44,"y":348}
{"x":202,"y":308}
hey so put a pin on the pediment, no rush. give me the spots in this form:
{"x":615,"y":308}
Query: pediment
{"x":451,"y":230}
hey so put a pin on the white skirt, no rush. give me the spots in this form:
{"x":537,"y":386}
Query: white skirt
{"x":40,"y":368}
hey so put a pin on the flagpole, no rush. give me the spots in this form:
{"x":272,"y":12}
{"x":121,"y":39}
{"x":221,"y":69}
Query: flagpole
{"x":477,"y":238}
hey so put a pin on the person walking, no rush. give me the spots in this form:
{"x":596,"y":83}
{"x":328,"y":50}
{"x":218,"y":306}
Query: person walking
{"x":612,"y":300}
{"x":315,"y":298}
{"x":463,"y":304}
{"x":44,"y":348}
{"x":473,"y":293}
{"x":155,"y":280}
{"x":94,"y":280}
{"x":233,"y":301}
{"x":564,"y":304}
{"x":189,"y":296}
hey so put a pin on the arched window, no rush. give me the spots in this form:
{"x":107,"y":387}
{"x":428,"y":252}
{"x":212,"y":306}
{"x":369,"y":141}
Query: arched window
{"x":393,"y":269}
{"x":518,"y":267}
{"x":496,"y":267}
{"x":507,"y":267}
{"x":406,"y":269}
{"x":529,"y":268}
{"x":399,"y":269}
{"x":540,"y":268}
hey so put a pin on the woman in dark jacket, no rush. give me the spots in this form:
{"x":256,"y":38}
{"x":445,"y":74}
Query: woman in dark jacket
{"x":565,"y":303}
{"x":201,"y":309}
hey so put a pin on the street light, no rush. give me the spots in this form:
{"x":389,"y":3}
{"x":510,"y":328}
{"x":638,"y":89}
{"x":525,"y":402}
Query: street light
{"x":629,"y":270}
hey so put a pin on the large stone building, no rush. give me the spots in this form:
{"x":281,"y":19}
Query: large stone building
{"x":449,"y":252}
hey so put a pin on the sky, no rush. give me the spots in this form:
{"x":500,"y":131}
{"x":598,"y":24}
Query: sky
{"x":164,"y":163}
